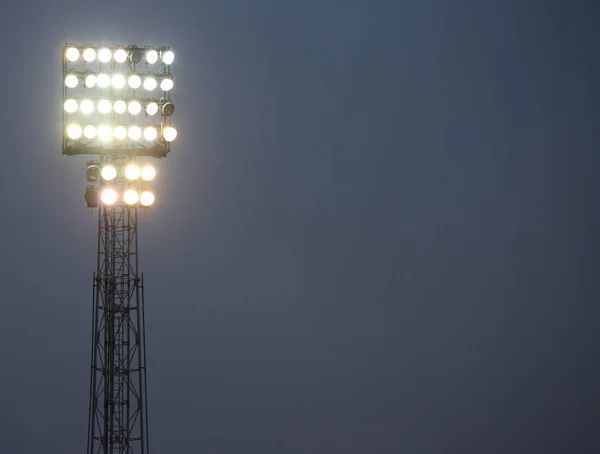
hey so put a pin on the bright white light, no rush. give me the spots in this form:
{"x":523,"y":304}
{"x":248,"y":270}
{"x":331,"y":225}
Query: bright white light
{"x":131,"y":197}
{"x":89,"y":131}
{"x":86,"y":106}
{"x":134,"y":107}
{"x":120,"y":106}
{"x":70,"y":106}
{"x":135,"y":81}
{"x":150,"y":133}
{"x":132,"y":172}
{"x":103,"y":80}
{"x":148,"y":173}
{"x":120,"y":132}
{"x":146,"y":198}
{"x":104,"y":132}
{"x":135,"y":132}
{"x":169,"y":133}
{"x":120,"y":55}
{"x":149,"y":83}
{"x":166,"y":84}
{"x":118,"y":81}
{"x":109,"y":173}
{"x":71,"y":81}
{"x":168,"y":57}
{"x":74,"y":131}
{"x":152,"y":108}
{"x":151,"y":56}
{"x":109,"y":196}
{"x":104,"y":106}
{"x":72,"y":54}
{"x":90,"y":81}
{"x":89,"y":55}
{"x":104,"y":55}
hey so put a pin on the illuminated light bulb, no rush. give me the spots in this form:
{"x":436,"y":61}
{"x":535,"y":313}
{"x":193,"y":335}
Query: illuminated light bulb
{"x":166,"y":84}
{"x":146,"y":198}
{"x":134,"y":107}
{"x":120,"y":107}
{"x":104,"y":132}
{"x":104,"y":55}
{"x":104,"y":106}
{"x":120,"y":55}
{"x":74,"y":131}
{"x":151,"y":56}
{"x":89,"y":55}
{"x":72,"y":54}
{"x":168,"y":57}
{"x":120,"y":132}
{"x":109,"y":172}
{"x":169,"y":133}
{"x":103,"y":80}
{"x":131,"y":197}
{"x":109,"y":196}
{"x":135,"y":132}
{"x":118,"y":81}
{"x":70,"y":106}
{"x":71,"y":81}
{"x":132,"y":172}
{"x":86,"y":106}
{"x":89,"y":132}
{"x":148,"y":173}
{"x":90,"y":81}
{"x":152,"y":108}
{"x":135,"y":81}
{"x":150,"y":133}
{"x":149,"y":83}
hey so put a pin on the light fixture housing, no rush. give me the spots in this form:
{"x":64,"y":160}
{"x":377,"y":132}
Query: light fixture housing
{"x":92,"y":172}
{"x":92,"y":197}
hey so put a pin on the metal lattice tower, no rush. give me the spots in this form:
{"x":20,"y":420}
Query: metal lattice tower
{"x":118,"y":413}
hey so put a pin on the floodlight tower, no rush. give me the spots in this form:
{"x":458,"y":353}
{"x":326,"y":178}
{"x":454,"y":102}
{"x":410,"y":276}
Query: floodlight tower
{"x":117,"y":111}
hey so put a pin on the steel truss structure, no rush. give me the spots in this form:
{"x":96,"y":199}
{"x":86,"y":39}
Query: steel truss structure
{"x":118,"y":422}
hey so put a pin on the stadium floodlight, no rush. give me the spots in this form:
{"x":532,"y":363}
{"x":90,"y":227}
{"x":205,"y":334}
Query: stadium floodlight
{"x":148,"y":173}
{"x":151,"y":56}
{"x":131,"y":197}
{"x":104,"y":110}
{"x":118,"y":81}
{"x":109,"y":172}
{"x":134,"y":81}
{"x":104,"y":55}
{"x":92,"y":197}
{"x":146,"y":199}
{"x":109,"y":196}
{"x":92,"y":172}
{"x":104,"y":106}
{"x":119,"y":106}
{"x":168,"y":57}
{"x":151,"y":108}
{"x":72,"y":54}
{"x":74,"y":131}
{"x":71,"y":106}
{"x":120,"y":55}
{"x":149,"y":83}
{"x":89,"y":55}
{"x":89,"y":132}
{"x":166,"y":84}
{"x":132,"y":172}
{"x":150,"y":133}
{"x":120,"y":132}
{"x":90,"y":81}
{"x":105,"y":132}
{"x":169,"y":133}
{"x":71,"y":81}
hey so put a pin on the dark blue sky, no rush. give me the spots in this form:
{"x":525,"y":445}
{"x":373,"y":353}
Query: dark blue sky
{"x":376,"y":231}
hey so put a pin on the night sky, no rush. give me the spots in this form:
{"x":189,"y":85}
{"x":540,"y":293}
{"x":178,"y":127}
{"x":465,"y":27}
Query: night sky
{"x":375,"y":233}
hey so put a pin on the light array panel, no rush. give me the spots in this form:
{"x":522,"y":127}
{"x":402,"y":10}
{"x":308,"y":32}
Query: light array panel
{"x":117,"y":100}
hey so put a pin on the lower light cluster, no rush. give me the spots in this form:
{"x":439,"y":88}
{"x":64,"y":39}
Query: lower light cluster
{"x":114,"y":190}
